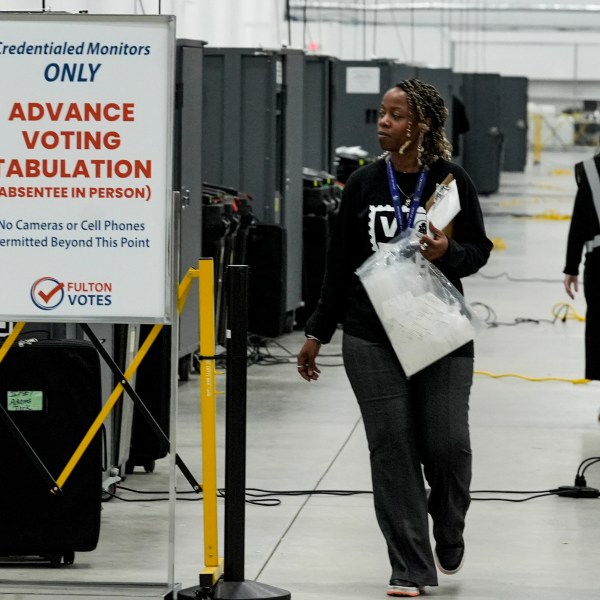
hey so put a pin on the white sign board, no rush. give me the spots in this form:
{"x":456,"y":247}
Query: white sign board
{"x":85,"y":167}
{"x":362,"y":80}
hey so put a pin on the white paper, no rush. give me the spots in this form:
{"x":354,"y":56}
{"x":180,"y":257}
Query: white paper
{"x":423,"y":329}
{"x":446,"y":205}
{"x":423,"y":317}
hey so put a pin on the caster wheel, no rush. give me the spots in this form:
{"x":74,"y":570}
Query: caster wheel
{"x":55,"y":559}
{"x":68,"y":557}
{"x":185,"y":368}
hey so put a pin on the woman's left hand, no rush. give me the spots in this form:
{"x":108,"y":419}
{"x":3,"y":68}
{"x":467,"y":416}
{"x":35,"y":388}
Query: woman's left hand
{"x":434,"y":246}
{"x":571,"y":283}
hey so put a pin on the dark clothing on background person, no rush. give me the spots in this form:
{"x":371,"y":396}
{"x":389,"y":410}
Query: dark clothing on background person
{"x":460,"y":123}
{"x":584,"y":234}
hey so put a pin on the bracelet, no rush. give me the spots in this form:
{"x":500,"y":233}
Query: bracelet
{"x":312,"y":337}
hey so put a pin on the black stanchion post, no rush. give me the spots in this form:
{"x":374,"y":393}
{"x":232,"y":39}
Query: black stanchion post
{"x":235,"y":423}
{"x":233,"y":586}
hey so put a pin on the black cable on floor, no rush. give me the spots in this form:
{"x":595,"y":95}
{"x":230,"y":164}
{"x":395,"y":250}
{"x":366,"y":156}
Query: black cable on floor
{"x":260,"y":493}
{"x":491,"y":320}
{"x":513,"y":500}
{"x":537,"y":494}
{"x":517,"y":279}
{"x":580,"y":476}
{"x":262,"y":497}
{"x":591,"y":460}
{"x":220,"y":492}
{"x":197,"y":498}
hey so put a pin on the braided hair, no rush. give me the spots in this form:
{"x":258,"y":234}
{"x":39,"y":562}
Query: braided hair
{"x":426,"y":104}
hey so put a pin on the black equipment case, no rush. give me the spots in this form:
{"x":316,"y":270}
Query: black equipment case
{"x":153,"y":386}
{"x":51,"y":391}
{"x":267,"y":259}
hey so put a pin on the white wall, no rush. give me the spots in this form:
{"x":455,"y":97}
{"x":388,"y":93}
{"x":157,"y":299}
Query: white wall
{"x":238,"y":23}
{"x":557,"y":47}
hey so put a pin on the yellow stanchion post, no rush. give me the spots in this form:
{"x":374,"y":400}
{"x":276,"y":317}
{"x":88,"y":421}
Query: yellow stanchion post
{"x":213,"y":564}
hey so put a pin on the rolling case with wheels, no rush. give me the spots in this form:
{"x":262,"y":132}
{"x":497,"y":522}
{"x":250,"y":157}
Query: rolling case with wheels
{"x":153,"y":385}
{"x":50,"y":392}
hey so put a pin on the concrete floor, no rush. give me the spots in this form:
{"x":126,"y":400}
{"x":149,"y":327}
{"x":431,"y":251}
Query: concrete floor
{"x":530,"y":431}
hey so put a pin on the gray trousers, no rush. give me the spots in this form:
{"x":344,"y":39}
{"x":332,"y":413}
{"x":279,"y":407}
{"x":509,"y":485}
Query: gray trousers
{"x":413,"y":427}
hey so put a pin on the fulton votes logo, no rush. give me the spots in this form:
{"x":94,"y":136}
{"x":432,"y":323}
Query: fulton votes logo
{"x":47,"y":293}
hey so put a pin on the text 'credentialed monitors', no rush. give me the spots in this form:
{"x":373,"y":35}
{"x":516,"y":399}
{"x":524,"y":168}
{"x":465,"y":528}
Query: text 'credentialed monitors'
{"x":85,"y":167}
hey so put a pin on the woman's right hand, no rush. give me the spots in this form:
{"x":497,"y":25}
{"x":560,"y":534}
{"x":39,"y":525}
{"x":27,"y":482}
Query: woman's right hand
{"x":571,"y":285}
{"x":307,"y":367}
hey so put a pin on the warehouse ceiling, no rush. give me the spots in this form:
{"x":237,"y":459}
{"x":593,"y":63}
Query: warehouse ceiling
{"x":482,"y":15}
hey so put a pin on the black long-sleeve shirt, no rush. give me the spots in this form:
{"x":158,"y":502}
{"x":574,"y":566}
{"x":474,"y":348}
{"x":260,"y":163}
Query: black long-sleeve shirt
{"x":365,"y":219}
{"x":585,"y":224}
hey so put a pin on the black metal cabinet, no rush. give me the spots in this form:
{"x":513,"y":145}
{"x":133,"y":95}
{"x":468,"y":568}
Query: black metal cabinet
{"x":358,"y":87}
{"x":252,"y":139}
{"x":443,"y":80}
{"x":187,"y":179}
{"x":482,"y":154}
{"x":318,"y":147}
{"x":514,"y":97}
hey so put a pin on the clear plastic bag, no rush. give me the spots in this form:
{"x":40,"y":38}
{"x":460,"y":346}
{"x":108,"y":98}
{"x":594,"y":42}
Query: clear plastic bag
{"x":423,"y":314}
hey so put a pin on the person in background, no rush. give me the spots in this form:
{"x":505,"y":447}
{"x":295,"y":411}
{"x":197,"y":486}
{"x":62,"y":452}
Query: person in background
{"x":417,"y":426}
{"x":460,"y":124}
{"x":584,"y":233}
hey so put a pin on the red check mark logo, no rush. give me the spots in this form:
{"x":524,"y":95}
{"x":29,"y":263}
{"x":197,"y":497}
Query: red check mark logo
{"x":47,"y":297}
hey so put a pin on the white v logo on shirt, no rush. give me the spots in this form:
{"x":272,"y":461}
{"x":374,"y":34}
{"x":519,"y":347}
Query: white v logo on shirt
{"x":388,"y":226}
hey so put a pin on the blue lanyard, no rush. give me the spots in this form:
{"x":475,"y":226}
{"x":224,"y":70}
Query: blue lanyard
{"x":405,"y":222}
